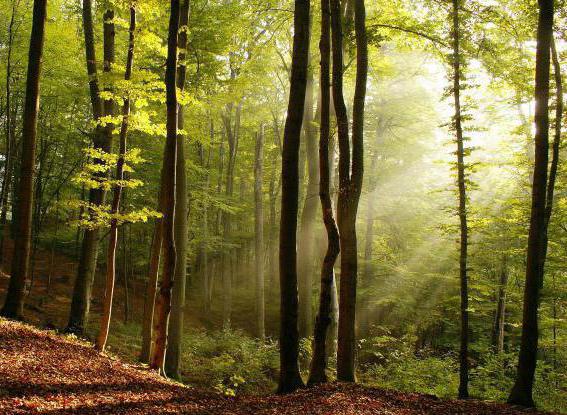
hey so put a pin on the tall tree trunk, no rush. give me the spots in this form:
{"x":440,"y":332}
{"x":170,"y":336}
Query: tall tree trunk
{"x":10,"y":139}
{"x":499,"y":318}
{"x":167,"y":193}
{"x":115,"y":208}
{"x":317,"y":373}
{"x":350,"y":181}
{"x":290,"y":379}
{"x":259,"y":232}
{"x":308,"y":214}
{"x":461,"y":181}
{"x":80,"y":303}
{"x":521,"y":393}
{"x":14,"y":304}
{"x":173,"y":354}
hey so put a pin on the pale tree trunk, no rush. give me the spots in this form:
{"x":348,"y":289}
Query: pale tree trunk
{"x":167,"y":193}
{"x":173,"y":354}
{"x":500,"y":316}
{"x":259,"y":232}
{"x":521,"y":393}
{"x":290,"y":378}
{"x":350,"y":181}
{"x":115,"y":208}
{"x":14,"y":303}
{"x":317,"y":372}
{"x":308,"y":215}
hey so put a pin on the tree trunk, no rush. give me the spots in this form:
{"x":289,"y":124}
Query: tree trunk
{"x":173,"y":354}
{"x":350,"y":181}
{"x":259,"y":232}
{"x":80,"y":303}
{"x":290,"y":379}
{"x":167,"y":192}
{"x":461,"y":181}
{"x":521,"y":393}
{"x":498,"y":329}
{"x":115,"y":208}
{"x":308,"y":215}
{"x":317,"y":373}
{"x":14,"y":304}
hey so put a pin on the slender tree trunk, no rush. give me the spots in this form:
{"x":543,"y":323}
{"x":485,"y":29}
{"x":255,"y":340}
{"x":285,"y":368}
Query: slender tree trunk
{"x":115,"y":208}
{"x":290,"y":379}
{"x":308,"y":215}
{"x":151,"y":289}
{"x":259,"y":232}
{"x":167,"y":192}
{"x":317,"y":373}
{"x":173,"y":354}
{"x":521,"y":393}
{"x":498,"y":329}
{"x":80,"y":303}
{"x":350,"y":181}
{"x":461,"y":181}
{"x":14,"y":304}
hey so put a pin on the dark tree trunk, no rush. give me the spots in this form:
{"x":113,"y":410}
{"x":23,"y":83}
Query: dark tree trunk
{"x":115,"y":208}
{"x":461,"y":181}
{"x":290,"y":379}
{"x":521,"y":393}
{"x":317,"y":373}
{"x":259,"y":232}
{"x":350,"y":181}
{"x":14,"y":304}
{"x":80,"y":303}
{"x":167,"y":193}
{"x":173,"y":354}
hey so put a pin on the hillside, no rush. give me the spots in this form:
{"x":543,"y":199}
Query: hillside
{"x":44,"y":372}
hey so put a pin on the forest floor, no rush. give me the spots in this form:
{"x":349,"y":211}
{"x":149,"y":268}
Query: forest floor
{"x":42,"y":372}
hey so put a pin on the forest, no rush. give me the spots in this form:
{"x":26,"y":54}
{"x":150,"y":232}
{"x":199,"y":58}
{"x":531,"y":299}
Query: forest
{"x":276,"y":206}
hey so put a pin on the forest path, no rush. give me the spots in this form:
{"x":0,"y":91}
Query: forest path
{"x":42,"y":372}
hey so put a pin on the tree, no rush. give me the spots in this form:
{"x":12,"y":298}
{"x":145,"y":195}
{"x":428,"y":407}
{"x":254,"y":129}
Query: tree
{"x":115,"y":208}
{"x":461,"y":181}
{"x":14,"y":304}
{"x":173,"y":354}
{"x":317,"y":372}
{"x":102,"y":140}
{"x":350,"y":179}
{"x":259,"y":232}
{"x":290,"y":379}
{"x":522,"y":390}
{"x":167,"y":195}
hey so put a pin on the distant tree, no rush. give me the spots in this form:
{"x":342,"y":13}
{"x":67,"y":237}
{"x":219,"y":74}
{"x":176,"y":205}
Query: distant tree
{"x":14,"y":303}
{"x":259,"y":232}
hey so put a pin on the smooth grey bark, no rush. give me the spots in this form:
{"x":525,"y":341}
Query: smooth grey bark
{"x":259,"y":233}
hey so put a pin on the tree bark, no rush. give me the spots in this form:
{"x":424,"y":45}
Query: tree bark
{"x":498,"y":329}
{"x":115,"y":208}
{"x":521,"y":393}
{"x":259,"y":232}
{"x":14,"y":303}
{"x":173,"y":354}
{"x":80,"y":303}
{"x":461,"y":181}
{"x":290,"y":379}
{"x":350,"y":181}
{"x":167,"y":192}
{"x":317,"y":373}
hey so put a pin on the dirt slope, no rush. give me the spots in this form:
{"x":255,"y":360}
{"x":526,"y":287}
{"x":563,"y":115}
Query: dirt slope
{"x":42,"y":372}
